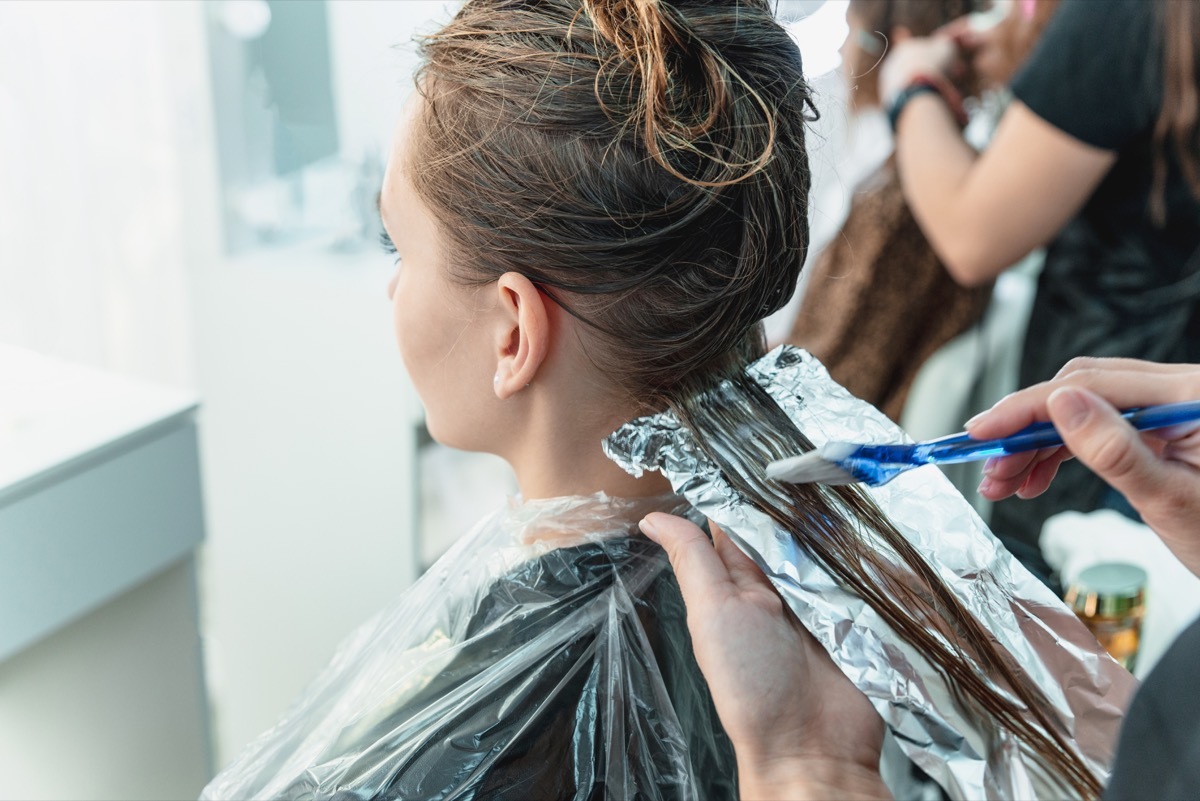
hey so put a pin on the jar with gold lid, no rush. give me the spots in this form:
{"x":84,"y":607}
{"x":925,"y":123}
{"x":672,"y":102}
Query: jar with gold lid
{"x":1110,"y":598}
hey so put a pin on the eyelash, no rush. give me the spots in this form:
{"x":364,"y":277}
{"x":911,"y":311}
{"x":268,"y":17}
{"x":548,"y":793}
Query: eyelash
{"x":388,"y":246}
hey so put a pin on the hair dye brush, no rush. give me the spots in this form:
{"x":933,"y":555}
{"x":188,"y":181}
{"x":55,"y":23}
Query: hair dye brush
{"x":849,"y":463}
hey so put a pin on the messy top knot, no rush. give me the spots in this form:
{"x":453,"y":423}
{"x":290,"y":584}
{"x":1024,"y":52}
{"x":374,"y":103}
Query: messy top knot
{"x":682,"y":89}
{"x":642,"y":161}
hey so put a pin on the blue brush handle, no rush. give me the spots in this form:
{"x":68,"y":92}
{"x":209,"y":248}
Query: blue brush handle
{"x":961,"y":448}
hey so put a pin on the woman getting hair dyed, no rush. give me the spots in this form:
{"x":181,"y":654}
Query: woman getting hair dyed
{"x":596,"y":203}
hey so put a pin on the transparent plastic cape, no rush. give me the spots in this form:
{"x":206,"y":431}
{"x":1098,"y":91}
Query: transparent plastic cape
{"x":545,"y":656}
{"x":968,"y":757}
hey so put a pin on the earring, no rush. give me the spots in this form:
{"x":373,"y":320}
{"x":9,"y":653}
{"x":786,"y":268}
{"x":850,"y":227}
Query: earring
{"x":496,"y":381}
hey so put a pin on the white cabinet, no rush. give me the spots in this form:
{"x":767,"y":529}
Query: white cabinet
{"x":101,"y":681}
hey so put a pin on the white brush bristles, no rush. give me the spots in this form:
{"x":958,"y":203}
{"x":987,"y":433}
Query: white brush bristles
{"x":816,"y":467}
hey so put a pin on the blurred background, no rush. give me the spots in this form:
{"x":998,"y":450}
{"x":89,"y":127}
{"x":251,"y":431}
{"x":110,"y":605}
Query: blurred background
{"x":193,"y":311}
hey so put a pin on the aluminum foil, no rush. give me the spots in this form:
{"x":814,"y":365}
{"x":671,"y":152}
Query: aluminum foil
{"x":968,"y":756}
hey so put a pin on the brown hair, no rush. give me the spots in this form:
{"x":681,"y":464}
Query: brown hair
{"x":1178,"y":124}
{"x":879,"y":19}
{"x":585,"y":144}
{"x":644,"y":163}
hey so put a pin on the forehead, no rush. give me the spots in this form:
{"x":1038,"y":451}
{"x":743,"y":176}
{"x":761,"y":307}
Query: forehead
{"x":396,"y":180}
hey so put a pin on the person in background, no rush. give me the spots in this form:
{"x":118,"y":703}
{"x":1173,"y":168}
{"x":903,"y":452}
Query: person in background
{"x":1098,"y":159}
{"x":801,"y":730}
{"x":879,"y":301}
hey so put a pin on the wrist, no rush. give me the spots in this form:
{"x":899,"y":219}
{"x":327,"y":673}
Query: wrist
{"x":809,"y":779}
{"x":926,"y":84}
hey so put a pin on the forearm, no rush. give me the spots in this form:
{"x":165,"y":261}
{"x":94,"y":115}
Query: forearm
{"x":935,"y":164}
{"x":983,"y":212}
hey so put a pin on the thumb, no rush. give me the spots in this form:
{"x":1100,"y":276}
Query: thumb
{"x":1101,"y":439}
{"x":702,"y":576}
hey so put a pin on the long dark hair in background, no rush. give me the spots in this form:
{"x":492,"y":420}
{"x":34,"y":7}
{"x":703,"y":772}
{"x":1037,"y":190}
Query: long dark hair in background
{"x":644,"y":163}
{"x":1177,"y":129}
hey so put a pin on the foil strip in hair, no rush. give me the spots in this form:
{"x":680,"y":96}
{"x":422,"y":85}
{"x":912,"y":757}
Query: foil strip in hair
{"x":968,"y":756}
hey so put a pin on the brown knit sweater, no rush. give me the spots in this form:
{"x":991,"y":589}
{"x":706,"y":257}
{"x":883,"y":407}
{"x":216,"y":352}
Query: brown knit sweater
{"x":880,"y":302}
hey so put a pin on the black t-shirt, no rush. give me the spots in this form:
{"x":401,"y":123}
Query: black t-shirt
{"x":1159,"y":752}
{"x":1114,"y":282}
{"x":1097,"y":76}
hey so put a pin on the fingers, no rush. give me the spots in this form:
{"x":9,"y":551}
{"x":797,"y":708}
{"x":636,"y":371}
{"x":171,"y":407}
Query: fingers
{"x":1084,"y":363}
{"x":742,"y":569}
{"x":702,"y":575}
{"x":1106,"y":443}
{"x":1123,"y":383}
{"x":1043,"y":473}
{"x":955,"y":27}
{"x":1024,"y":474}
{"x":961,"y":32}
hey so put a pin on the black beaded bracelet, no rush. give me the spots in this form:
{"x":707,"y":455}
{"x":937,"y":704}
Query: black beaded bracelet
{"x":907,"y":94}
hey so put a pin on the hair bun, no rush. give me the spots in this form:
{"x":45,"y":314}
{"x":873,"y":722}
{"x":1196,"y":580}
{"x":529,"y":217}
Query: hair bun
{"x":701,"y":120}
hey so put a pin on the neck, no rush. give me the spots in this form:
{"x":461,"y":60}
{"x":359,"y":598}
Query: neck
{"x":564,"y":457}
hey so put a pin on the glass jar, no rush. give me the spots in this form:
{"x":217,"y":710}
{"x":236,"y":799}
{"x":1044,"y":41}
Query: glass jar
{"x":1110,"y":598}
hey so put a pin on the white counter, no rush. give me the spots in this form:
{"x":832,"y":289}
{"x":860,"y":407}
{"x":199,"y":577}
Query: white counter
{"x":100,"y":515}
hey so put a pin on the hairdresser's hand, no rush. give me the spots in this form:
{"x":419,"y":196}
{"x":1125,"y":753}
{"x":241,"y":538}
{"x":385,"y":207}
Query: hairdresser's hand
{"x":799,"y":727}
{"x":1157,"y":471}
{"x":933,"y":56}
{"x":989,"y":54}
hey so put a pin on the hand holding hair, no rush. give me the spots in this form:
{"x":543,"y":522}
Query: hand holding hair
{"x":1157,"y":471}
{"x":799,"y":727}
{"x":927,"y":56}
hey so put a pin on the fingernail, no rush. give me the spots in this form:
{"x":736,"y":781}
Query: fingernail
{"x":967,"y":425}
{"x":1069,"y":407}
{"x":985,"y":486}
{"x":989,"y":466}
{"x":648,"y":528}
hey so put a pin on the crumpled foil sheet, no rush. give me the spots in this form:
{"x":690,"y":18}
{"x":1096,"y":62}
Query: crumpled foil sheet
{"x":967,"y":756}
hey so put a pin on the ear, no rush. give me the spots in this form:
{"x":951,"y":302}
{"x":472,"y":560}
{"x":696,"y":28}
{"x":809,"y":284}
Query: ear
{"x":523,"y":338}
{"x":900,"y":34}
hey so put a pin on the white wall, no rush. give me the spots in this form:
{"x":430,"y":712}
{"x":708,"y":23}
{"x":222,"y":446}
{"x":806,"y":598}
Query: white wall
{"x":374,"y":55}
{"x":91,"y":217}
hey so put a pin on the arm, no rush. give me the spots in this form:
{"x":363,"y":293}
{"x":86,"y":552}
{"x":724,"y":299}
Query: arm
{"x":982,"y":213}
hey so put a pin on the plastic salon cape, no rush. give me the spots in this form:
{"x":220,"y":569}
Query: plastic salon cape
{"x":545,"y":656}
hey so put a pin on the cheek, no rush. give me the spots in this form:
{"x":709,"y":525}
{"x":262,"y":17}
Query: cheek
{"x":412,"y":326}
{"x":442,"y":352}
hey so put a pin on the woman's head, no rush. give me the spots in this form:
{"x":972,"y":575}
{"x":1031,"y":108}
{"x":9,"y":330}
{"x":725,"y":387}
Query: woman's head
{"x":640,"y":163}
{"x":875,"y":25}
